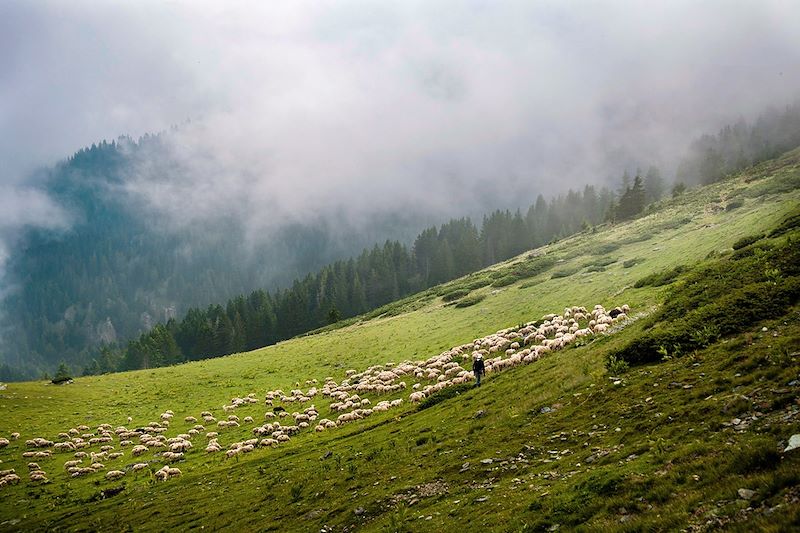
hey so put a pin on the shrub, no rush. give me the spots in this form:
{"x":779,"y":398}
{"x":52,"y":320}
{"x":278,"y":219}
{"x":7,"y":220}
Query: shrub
{"x":616,"y":366}
{"x":641,"y":237}
{"x":746,"y":241}
{"x":628,"y":263}
{"x":789,"y":223}
{"x":760,"y":454}
{"x":665,"y":277}
{"x":605,"y":248}
{"x":455,"y":294}
{"x":470,"y":300}
{"x":725,"y":297}
{"x":564,"y":272}
{"x":504,"y":281}
{"x":444,"y":394}
{"x":734,"y":204}
{"x":477,"y":283}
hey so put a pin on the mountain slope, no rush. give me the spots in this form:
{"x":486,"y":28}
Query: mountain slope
{"x":549,"y":428}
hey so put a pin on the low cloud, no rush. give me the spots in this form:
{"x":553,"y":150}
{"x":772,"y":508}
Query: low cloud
{"x":311,"y":110}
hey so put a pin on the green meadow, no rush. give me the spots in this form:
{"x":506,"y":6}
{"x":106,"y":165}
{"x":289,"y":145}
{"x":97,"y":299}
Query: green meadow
{"x":561,"y":443}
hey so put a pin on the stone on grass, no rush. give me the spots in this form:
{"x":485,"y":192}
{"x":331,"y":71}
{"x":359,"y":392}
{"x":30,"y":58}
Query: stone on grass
{"x":794,"y":442}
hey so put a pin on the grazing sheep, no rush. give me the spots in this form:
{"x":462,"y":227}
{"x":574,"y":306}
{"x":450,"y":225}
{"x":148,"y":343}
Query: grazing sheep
{"x":139,"y":466}
{"x":114,"y":474}
{"x":139,"y":449}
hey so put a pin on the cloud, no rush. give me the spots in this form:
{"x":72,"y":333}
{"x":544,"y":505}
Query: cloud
{"x":22,"y":207}
{"x":351,"y":108}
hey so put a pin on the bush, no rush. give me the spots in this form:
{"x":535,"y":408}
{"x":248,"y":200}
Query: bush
{"x":470,"y":300}
{"x":747,"y":241}
{"x":665,"y":277}
{"x":600,"y":263}
{"x":564,"y":272}
{"x":725,"y":297}
{"x":616,"y":366}
{"x":455,"y":294}
{"x":761,"y":454}
{"x":504,"y":281}
{"x":444,"y":394}
{"x":787,"y":224}
{"x":477,"y":283}
{"x":734,"y":204}
{"x":605,"y":248}
{"x":641,"y":237}
{"x":628,"y":263}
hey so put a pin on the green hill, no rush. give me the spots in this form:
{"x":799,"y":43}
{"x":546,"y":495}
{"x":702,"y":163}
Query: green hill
{"x":560,"y":443}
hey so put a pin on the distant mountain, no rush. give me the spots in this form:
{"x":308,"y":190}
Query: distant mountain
{"x":120,"y":269}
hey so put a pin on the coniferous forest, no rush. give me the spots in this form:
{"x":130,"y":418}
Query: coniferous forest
{"x":110,"y":293}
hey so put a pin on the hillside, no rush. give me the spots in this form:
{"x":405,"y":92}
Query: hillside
{"x":557,"y":442}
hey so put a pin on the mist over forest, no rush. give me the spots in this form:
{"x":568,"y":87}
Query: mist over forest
{"x":159,"y":158}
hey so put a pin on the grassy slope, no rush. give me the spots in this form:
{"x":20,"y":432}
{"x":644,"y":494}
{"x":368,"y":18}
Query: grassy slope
{"x":404,"y":468}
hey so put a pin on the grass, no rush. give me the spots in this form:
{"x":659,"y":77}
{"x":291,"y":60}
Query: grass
{"x":655,"y":449}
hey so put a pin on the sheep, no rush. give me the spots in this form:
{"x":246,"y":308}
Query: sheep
{"x":139,"y":449}
{"x":115,"y":455}
{"x":167,"y":472}
{"x":139,"y":466}
{"x":4,"y":443}
{"x":10,"y":479}
{"x":114,"y":474}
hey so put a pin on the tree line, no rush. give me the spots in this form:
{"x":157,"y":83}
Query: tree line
{"x":377,"y":276}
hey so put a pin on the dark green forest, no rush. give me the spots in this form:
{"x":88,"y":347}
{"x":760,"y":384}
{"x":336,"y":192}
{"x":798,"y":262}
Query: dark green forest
{"x":108,"y":294}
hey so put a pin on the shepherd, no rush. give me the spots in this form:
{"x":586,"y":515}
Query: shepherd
{"x":478,"y":369}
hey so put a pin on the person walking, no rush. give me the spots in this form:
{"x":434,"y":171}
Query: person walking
{"x":478,"y":369}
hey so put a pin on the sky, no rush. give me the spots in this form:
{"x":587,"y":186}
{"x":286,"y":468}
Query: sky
{"x":294,"y":110}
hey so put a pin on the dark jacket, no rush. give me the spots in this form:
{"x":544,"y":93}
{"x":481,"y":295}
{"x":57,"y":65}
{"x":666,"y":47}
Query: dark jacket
{"x":477,"y":366}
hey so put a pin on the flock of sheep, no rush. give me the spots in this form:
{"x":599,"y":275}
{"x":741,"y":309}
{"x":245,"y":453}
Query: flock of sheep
{"x":92,"y":448}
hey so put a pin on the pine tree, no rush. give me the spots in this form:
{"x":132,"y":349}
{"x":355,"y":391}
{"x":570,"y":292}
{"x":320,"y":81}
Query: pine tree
{"x":653,"y":184}
{"x":334,"y":315}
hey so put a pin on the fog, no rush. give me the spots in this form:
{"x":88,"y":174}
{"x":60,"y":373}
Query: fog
{"x":307,"y":110}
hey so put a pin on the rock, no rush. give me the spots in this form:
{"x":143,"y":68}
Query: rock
{"x":618,"y":383}
{"x":487,"y":461}
{"x":360,"y":511}
{"x":327,"y":454}
{"x":794,"y":443}
{"x":480,"y":414}
{"x":765,"y":329}
{"x":746,"y":494}
{"x":544,"y":410}
{"x":481,"y":499}
{"x":736,"y":421}
{"x":793,"y":383}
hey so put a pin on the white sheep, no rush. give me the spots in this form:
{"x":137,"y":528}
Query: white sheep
{"x":114,"y":474}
